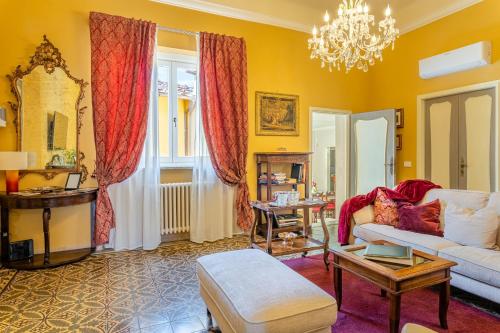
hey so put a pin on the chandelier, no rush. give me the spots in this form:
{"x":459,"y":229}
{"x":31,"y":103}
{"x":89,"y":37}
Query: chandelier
{"x":348,"y":39}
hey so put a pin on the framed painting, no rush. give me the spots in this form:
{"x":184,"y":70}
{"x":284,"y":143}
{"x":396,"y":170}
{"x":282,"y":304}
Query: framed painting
{"x":276,"y":114}
{"x":400,"y":119}
{"x":399,"y":141}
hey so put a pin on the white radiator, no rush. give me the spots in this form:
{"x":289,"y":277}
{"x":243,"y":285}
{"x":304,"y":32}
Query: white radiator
{"x":175,"y":207}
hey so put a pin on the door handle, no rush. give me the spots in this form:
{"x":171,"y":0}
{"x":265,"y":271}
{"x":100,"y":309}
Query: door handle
{"x":463,"y":166}
{"x":391,"y":166}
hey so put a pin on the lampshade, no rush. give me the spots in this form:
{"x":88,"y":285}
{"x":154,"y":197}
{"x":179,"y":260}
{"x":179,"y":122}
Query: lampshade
{"x":13,"y":160}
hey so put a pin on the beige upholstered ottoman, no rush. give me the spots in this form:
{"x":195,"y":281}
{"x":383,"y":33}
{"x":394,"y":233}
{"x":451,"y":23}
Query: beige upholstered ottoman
{"x":248,"y":291}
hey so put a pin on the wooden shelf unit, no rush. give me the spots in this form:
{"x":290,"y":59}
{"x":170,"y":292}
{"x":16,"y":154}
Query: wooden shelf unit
{"x":265,"y":162}
{"x":271,"y":158}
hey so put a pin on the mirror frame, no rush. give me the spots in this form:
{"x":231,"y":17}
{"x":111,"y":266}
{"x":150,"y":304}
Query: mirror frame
{"x":48,"y":56}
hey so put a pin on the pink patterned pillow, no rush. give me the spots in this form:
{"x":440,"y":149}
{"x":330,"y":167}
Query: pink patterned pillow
{"x":385,"y":210}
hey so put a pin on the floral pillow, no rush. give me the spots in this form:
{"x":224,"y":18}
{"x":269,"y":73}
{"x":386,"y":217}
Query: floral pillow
{"x":385,"y":210}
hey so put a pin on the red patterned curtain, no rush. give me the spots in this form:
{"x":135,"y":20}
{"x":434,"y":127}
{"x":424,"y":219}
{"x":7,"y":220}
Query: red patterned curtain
{"x":122,"y":53}
{"x":223,"y":91}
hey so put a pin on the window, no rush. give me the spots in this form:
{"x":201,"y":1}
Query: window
{"x":176,"y":106}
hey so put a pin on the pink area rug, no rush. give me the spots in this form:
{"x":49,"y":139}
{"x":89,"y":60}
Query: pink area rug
{"x":365,"y":311}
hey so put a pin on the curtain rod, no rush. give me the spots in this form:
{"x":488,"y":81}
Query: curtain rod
{"x":178,"y":31}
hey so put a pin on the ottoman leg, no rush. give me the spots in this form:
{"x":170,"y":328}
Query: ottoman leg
{"x":210,"y":323}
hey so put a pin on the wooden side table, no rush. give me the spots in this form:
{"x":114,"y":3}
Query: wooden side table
{"x":46,"y":202}
{"x":302,"y":243}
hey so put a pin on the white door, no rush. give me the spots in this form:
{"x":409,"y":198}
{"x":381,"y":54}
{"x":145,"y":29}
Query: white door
{"x":372,"y":151}
{"x":460,"y":141}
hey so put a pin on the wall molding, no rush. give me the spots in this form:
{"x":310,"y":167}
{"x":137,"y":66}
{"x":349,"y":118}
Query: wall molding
{"x":437,"y":15}
{"x":236,"y":13}
{"x":247,"y":15}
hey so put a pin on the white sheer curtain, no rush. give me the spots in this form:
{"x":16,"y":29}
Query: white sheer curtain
{"x":136,"y":201}
{"x":213,"y":213}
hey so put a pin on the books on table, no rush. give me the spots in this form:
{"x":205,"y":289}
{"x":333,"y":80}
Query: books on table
{"x":277,"y":178}
{"x":394,"y":254}
{"x":286,"y":220}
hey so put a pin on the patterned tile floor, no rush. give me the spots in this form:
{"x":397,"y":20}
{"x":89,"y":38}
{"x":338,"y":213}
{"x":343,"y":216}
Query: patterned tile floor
{"x":129,"y":291}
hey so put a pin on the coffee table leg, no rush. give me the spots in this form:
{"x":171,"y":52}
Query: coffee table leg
{"x":444,"y":300}
{"x":337,"y":285}
{"x":394,"y":311}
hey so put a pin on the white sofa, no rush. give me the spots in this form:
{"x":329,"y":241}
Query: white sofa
{"x":478,"y":269}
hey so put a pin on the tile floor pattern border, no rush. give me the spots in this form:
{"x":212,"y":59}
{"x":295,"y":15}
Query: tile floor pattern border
{"x":127,"y":291}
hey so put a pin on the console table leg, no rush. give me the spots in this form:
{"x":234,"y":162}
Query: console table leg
{"x":46,"y":236}
{"x":92,"y":226}
{"x":444,"y":300}
{"x":394,"y":312}
{"x":5,"y":234}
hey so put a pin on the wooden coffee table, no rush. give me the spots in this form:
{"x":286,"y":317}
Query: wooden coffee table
{"x":427,"y":270}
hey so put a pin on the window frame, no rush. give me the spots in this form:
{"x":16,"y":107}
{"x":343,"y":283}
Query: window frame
{"x":175,"y":58}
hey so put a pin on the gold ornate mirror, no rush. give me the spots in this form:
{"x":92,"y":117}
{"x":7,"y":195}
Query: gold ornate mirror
{"x":48,"y":115}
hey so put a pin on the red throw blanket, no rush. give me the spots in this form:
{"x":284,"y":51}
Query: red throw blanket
{"x":410,"y":191}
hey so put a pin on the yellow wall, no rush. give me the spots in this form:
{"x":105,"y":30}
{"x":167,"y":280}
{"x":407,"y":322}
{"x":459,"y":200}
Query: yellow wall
{"x":395,"y":82}
{"x":278,"y":61}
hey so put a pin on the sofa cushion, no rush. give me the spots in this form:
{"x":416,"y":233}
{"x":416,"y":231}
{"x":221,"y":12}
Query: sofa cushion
{"x":289,"y":302}
{"x":385,"y":210}
{"x":476,"y":228}
{"x":426,"y":243}
{"x":461,"y":198}
{"x":364,"y":215}
{"x":478,"y":264}
{"x":423,"y":218}
{"x":494,"y":203}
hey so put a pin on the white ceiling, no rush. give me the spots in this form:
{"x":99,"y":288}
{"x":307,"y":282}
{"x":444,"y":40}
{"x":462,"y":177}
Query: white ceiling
{"x":301,"y":15}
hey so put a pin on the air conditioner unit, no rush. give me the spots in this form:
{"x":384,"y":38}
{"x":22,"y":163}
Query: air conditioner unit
{"x":462,"y":59}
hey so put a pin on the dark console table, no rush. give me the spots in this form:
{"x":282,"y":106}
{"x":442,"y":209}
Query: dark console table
{"x":45,"y":202}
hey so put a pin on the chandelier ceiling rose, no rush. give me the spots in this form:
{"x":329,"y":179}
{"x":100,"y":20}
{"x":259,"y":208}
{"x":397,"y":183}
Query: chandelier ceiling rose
{"x":348,"y":39}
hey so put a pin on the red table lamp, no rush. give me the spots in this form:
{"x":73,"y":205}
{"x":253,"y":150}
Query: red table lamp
{"x":12,"y":162}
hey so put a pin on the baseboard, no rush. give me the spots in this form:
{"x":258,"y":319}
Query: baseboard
{"x":175,"y":237}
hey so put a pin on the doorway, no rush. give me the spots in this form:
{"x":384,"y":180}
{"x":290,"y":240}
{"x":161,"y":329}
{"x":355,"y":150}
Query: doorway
{"x":460,"y":140}
{"x":329,"y":138}
{"x":457,"y":137}
{"x":352,"y":154}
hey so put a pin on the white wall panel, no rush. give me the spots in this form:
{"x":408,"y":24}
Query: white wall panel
{"x":440,"y":128}
{"x":478,"y":133}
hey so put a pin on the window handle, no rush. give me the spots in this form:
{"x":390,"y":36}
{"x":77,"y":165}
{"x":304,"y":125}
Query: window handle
{"x":175,"y":122}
